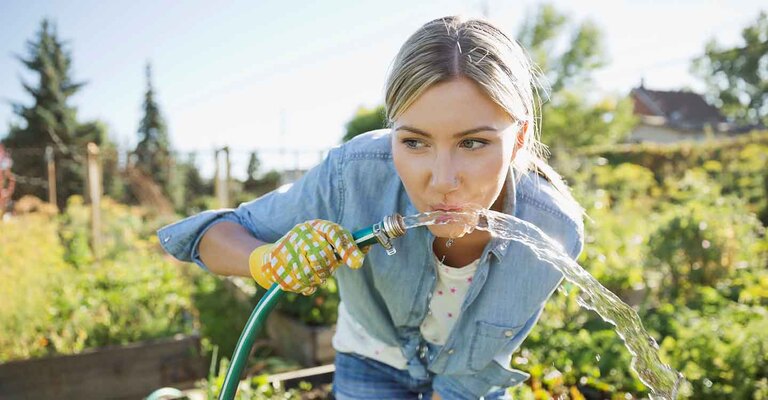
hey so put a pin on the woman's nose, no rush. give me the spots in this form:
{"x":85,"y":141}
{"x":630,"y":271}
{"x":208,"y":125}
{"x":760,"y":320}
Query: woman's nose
{"x":445,"y":175}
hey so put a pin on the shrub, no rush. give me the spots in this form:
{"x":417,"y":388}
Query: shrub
{"x":702,"y":242}
{"x":63,"y":299}
{"x":32,"y":268}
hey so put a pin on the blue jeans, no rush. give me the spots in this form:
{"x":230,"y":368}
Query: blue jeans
{"x":361,"y":378}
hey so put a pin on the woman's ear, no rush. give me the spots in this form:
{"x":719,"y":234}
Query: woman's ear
{"x":521,"y":134}
{"x":520,"y":138}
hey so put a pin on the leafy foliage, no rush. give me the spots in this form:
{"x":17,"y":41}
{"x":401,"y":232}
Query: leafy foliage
{"x":254,"y":388}
{"x":60,"y":299}
{"x":320,"y":308}
{"x":365,"y":120}
{"x":687,"y":253}
{"x":573,"y":117}
{"x":737,"y":166}
{"x":737,"y":78}
{"x":30,"y":271}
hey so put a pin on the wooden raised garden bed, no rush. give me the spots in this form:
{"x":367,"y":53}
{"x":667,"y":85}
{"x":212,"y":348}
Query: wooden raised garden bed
{"x":115,"y":372}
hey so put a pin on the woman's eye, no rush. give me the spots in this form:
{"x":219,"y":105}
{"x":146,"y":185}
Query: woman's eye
{"x":473,"y":144}
{"x":413,"y":144}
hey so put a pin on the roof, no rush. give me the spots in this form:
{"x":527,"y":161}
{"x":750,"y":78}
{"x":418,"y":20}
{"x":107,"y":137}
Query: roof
{"x":678,"y":109}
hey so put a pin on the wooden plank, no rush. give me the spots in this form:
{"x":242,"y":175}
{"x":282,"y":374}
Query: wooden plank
{"x":309,"y":345}
{"x":115,"y":372}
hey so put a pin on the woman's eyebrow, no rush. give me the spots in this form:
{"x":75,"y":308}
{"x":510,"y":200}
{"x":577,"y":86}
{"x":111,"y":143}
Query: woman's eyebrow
{"x":459,"y":134}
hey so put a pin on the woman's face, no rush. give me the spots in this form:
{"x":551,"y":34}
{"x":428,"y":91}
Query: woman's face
{"x":452,"y":149}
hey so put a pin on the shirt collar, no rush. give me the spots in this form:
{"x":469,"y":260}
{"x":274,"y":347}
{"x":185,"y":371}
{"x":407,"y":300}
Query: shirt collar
{"x":499,"y":246}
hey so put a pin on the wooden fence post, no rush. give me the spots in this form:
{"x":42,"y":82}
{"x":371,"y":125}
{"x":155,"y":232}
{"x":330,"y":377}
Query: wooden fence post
{"x":227,"y":178}
{"x":51,"y":175}
{"x":93,"y":172}
{"x":221,"y":184}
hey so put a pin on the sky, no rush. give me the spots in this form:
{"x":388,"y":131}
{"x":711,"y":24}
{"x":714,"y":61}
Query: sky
{"x":273,"y":75}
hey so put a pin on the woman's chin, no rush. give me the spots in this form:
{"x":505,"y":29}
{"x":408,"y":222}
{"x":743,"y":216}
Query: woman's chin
{"x":449,"y":230}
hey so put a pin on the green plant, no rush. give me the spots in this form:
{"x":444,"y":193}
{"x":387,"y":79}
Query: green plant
{"x":63,"y":298}
{"x":32,"y":268}
{"x":320,"y":308}
{"x":701,"y":242}
{"x":254,"y":388}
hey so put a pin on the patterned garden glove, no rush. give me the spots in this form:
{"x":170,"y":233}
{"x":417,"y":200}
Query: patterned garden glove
{"x":307,"y":255}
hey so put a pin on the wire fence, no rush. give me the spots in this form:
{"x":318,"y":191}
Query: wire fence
{"x":42,"y":173}
{"x":270,"y":159}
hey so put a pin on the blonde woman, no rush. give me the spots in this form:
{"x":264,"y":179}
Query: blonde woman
{"x":431,"y":321}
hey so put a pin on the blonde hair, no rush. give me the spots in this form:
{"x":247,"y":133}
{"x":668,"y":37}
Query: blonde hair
{"x":452,"y":47}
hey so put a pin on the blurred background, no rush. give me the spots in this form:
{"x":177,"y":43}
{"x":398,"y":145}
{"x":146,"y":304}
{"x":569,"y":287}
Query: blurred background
{"x":117,"y":118}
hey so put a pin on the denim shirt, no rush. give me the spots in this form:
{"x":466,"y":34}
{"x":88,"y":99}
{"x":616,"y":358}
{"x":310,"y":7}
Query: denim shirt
{"x":356,"y":186}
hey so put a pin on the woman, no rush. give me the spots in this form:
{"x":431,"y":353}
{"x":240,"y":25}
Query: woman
{"x":436,"y":319}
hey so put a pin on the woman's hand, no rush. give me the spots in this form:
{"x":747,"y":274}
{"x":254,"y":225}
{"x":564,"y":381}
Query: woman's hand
{"x":307,"y":255}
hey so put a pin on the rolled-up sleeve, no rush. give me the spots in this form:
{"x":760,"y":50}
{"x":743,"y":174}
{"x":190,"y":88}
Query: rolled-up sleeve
{"x":317,"y":195}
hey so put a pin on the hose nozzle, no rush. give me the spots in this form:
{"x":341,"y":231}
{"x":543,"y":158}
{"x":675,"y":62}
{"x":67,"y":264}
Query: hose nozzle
{"x":382,"y":232}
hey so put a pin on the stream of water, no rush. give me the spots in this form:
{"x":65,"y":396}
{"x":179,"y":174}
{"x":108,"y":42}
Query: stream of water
{"x":662,"y":381}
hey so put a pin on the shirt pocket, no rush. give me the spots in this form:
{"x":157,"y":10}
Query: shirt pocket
{"x":487,"y":341}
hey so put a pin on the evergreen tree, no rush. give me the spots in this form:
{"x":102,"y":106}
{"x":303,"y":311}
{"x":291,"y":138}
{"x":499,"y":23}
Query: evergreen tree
{"x":196,"y":185}
{"x":153,"y":152}
{"x":253,"y":166}
{"x":50,"y":120}
{"x":253,"y":172}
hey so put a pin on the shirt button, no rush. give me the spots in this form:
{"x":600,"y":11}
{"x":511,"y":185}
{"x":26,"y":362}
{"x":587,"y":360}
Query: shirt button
{"x":450,"y":351}
{"x":508,"y":333}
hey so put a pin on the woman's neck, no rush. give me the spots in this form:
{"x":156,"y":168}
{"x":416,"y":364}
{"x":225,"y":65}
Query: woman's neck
{"x":463,"y":250}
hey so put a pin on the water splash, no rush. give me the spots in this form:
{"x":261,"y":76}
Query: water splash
{"x":663,"y":381}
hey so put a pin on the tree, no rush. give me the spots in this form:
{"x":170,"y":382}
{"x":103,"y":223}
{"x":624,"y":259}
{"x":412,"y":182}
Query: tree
{"x":256,"y":183}
{"x":571,"y":117}
{"x":153,"y":152}
{"x":197,"y":191}
{"x":196,"y":185}
{"x":365,"y":120}
{"x":253,"y":166}
{"x":737,"y":78}
{"x":252,"y":179}
{"x":50,"y":121}
{"x":584,"y":123}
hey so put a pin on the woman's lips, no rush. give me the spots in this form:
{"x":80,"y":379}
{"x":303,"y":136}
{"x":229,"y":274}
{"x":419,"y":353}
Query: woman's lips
{"x":446,"y":208}
{"x":446,"y":219}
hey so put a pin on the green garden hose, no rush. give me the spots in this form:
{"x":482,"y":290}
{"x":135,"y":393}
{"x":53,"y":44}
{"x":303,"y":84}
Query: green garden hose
{"x":382,"y":233}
